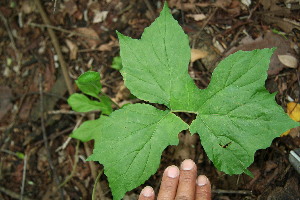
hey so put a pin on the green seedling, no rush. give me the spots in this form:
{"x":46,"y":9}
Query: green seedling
{"x":117,"y":63}
{"x":236,"y":115}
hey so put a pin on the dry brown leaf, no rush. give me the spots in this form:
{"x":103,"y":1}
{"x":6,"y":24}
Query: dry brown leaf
{"x":99,"y":16}
{"x":268,"y":41}
{"x":108,"y":46}
{"x":288,"y":60}
{"x":197,"y":17}
{"x":197,"y":54}
{"x":73,"y":49}
{"x":93,"y":39}
{"x":70,"y":7}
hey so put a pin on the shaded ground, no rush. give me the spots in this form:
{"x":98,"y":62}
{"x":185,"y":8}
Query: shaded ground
{"x":86,"y":37}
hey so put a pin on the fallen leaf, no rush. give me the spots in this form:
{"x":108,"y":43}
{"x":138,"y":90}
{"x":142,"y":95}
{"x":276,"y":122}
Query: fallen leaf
{"x":73,"y":49}
{"x":288,"y":60}
{"x":70,"y":7}
{"x":293,"y":110}
{"x":197,"y":54}
{"x":93,"y":39}
{"x":108,"y":46}
{"x":268,"y":41}
{"x":197,"y":17}
{"x":99,"y":16}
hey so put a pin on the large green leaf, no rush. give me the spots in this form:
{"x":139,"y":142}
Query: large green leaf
{"x":155,"y":67}
{"x":236,"y":114}
{"x":130,"y":142}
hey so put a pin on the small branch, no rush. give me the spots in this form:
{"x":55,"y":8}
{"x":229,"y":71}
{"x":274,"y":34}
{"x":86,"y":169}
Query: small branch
{"x":56,"y":46}
{"x":74,"y":166}
{"x":12,"y":194}
{"x":95,"y":184}
{"x":244,"y":192}
{"x":23,"y":178}
{"x":69,"y":112}
{"x":56,"y":179}
{"x":63,"y":30}
{"x":93,"y":169}
{"x":11,"y":37}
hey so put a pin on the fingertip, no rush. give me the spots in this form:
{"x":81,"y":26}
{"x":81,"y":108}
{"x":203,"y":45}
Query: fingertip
{"x":147,"y":193}
{"x":203,"y":190}
{"x":202,"y":180}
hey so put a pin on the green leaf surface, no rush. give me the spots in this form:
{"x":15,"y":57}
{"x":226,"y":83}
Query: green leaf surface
{"x":89,"y":83}
{"x":155,"y":66}
{"x":117,"y":63}
{"x":88,"y":130}
{"x":130,"y":142}
{"x":81,"y":103}
{"x":236,"y":114}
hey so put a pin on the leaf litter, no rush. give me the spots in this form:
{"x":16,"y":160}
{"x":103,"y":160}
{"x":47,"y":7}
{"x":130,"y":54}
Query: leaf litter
{"x":123,"y":12}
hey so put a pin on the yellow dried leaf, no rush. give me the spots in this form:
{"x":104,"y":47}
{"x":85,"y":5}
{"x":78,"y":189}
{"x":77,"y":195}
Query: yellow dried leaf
{"x":293,"y":110}
{"x":285,"y":133}
{"x":197,"y":54}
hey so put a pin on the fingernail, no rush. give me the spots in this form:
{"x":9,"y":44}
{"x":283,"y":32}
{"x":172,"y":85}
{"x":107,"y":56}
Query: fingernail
{"x":187,"y":164}
{"x":147,"y":191}
{"x":202,"y":180}
{"x":172,"y":171}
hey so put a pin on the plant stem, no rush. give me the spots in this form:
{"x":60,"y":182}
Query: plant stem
{"x":95,"y":184}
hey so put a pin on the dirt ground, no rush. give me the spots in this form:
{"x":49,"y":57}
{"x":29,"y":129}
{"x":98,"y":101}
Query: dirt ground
{"x":46,"y":45}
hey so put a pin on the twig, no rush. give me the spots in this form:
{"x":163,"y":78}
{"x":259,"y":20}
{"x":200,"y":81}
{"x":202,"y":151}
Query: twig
{"x":12,"y":194}
{"x":23,"y":178}
{"x":74,"y":166}
{"x":95,"y":184}
{"x":244,"y":192}
{"x":56,"y":179}
{"x":63,"y":30}
{"x":56,"y":46}
{"x":69,"y":112}
{"x":209,"y":18}
{"x":93,"y":168}
{"x":18,"y":55}
{"x":55,"y":135}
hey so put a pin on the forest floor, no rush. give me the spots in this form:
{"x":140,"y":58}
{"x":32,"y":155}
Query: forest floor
{"x":85,"y":31}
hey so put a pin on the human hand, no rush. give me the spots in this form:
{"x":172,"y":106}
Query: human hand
{"x":180,"y":184}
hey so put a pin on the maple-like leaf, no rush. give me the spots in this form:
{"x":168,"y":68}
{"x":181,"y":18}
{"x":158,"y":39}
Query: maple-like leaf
{"x":236,"y":114}
{"x":155,"y":66}
{"x":129,"y":144}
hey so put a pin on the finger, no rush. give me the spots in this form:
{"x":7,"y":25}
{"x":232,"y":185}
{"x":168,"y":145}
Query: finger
{"x":147,"y":193}
{"x":187,"y":180}
{"x":203,"y":188}
{"x":169,"y":184}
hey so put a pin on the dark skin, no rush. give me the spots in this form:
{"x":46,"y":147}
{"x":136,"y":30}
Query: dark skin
{"x":180,"y":184}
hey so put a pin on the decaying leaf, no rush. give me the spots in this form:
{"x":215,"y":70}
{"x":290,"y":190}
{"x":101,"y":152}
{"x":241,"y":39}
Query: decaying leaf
{"x":197,"y":54}
{"x":288,"y":60}
{"x":293,"y":110}
{"x":269,"y":40}
{"x":197,"y":17}
{"x":93,"y":38}
{"x":73,"y":49}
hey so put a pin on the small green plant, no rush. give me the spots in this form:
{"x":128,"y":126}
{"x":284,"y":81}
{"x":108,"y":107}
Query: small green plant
{"x":89,"y":83}
{"x":236,"y":115}
{"x":117,"y":63}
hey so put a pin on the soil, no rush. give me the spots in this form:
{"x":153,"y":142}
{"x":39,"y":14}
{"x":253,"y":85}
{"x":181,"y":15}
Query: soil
{"x":34,"y":89}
